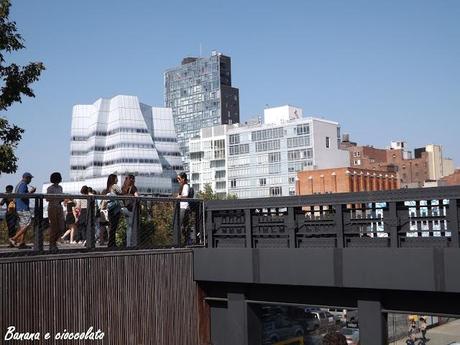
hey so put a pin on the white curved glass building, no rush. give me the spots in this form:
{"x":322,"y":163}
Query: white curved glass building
{"x":122,"y":136}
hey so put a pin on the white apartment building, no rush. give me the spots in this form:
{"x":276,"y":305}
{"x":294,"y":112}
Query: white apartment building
{"x":122,"y":136}
{"x":261,"y":160}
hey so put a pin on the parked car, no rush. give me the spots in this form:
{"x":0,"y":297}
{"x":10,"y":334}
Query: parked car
{"x":343,"y":316}
{"x":319,"y":320}
{"x":352,"y":335}
{"x":279,"y":329}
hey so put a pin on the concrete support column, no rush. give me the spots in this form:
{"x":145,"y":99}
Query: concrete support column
{"x":243,"y":324}
{"x":373,"y":327}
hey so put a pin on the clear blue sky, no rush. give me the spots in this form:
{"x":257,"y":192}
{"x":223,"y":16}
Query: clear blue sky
{"x":385,"y":70}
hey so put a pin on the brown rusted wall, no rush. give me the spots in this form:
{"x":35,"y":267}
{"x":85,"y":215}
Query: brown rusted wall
{"x":137,"y":297}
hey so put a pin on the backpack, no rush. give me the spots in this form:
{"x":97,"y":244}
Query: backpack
{"x":191,"y":192}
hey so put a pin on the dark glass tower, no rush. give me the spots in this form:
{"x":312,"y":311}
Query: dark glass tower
{"x":201,"y":95}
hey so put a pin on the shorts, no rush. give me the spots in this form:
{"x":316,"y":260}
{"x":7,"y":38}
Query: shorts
{"x":25,"y":218}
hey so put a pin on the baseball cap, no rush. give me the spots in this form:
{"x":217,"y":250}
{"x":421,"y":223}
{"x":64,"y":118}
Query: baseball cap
{"x":27,"y":174}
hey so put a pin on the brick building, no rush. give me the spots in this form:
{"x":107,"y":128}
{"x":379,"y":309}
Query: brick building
{"x":453,"y":179}
{"x":413,"y":172}
{"x":344,"y":180}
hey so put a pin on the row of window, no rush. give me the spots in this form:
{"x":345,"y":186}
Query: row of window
{"x":115,"y":161}
{"x":299,"y":141}
{"x":302,"y":129}
{"x":238,"y":149}
{"x":271,"y":133}
{"x":112,"y":147}
{"x":268,"y":145}
{"x":108,"y":133}
{"x":295,"y":155}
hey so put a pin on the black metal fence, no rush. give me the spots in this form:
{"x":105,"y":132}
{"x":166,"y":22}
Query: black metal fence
{"x":153,"y":222}
{"x":400,"y":218}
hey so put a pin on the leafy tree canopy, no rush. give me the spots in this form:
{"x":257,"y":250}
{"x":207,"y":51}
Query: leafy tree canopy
{"x":208,"y":194}
{"x":15,"y":81}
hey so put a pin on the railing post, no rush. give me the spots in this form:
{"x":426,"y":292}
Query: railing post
{"x":452,"y":222}
{"x":338,"y":217}
{"x":198,"y":221}
{"x":135,"y":224}
{"x":177,"y":225}
{"x":90,"y":223}
{"x":209,"y":237}
{"x":390,"y":220}
{"x":291,"y":227}
{"x":248,"y":227}
{"x":38,"y":224}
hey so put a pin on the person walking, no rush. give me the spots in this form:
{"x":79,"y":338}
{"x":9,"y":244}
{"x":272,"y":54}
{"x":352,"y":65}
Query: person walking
{"x":70,"y":220}
{"x":23,"y":211}
{"x":130,"y":189}
{"x":113,"y":208}
{"x":11,"y":217}
{"x":55,"y":211}
{"x":423,"y":326}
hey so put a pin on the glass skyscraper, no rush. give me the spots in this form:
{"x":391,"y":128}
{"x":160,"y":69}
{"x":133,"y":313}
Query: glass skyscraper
{"x":200,"y":94}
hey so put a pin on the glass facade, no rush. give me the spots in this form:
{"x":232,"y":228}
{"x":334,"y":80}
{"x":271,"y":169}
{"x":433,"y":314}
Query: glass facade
{"x":200,"y":94}
{"x":120,"y":135}
{"x":262,"y":160}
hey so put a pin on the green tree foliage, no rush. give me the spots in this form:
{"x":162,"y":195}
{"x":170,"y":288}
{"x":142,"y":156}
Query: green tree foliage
{"x":15,"y":83}
{"x":208,"y":194}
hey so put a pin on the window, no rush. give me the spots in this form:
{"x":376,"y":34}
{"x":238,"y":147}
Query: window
{"x":291,"y":180}
{"x":238,"y":149}
{"x":275,"y":191}
{"x":294,"y":155}
{"x":220,"y":185}
{"x":298,"y":141}
{"x":219,"y":149}
{"x":272,"y":133}
{"x":262,"y":181}
{"x":274,"y":157}
{"x":220,"y":174}
{"x":274,"y":169}
{"x":233,"y":183}
{"x":268,"y":145}
{"x":234,"y":139}
{"x":328,"y":142}
{"x":218,"y":163}
{"x":302,"y":129}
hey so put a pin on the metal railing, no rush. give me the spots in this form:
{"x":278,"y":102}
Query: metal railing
{"x":427,"y":217}
{"x":402,"y":218}
{"x":149,"y":216}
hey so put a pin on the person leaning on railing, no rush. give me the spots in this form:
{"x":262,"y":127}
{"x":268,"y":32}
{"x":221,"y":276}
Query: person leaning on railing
{"x":82,"y":209}
{"x":23,"y":211}
{"x":130,"y":189}
{"x":113,"y":208}
{"x":55,"y":211}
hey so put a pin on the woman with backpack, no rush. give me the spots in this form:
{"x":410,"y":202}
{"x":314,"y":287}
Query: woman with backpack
{"x":113,"y":208}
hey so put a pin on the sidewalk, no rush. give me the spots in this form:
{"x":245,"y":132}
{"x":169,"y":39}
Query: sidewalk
{"x":441,"y":335}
